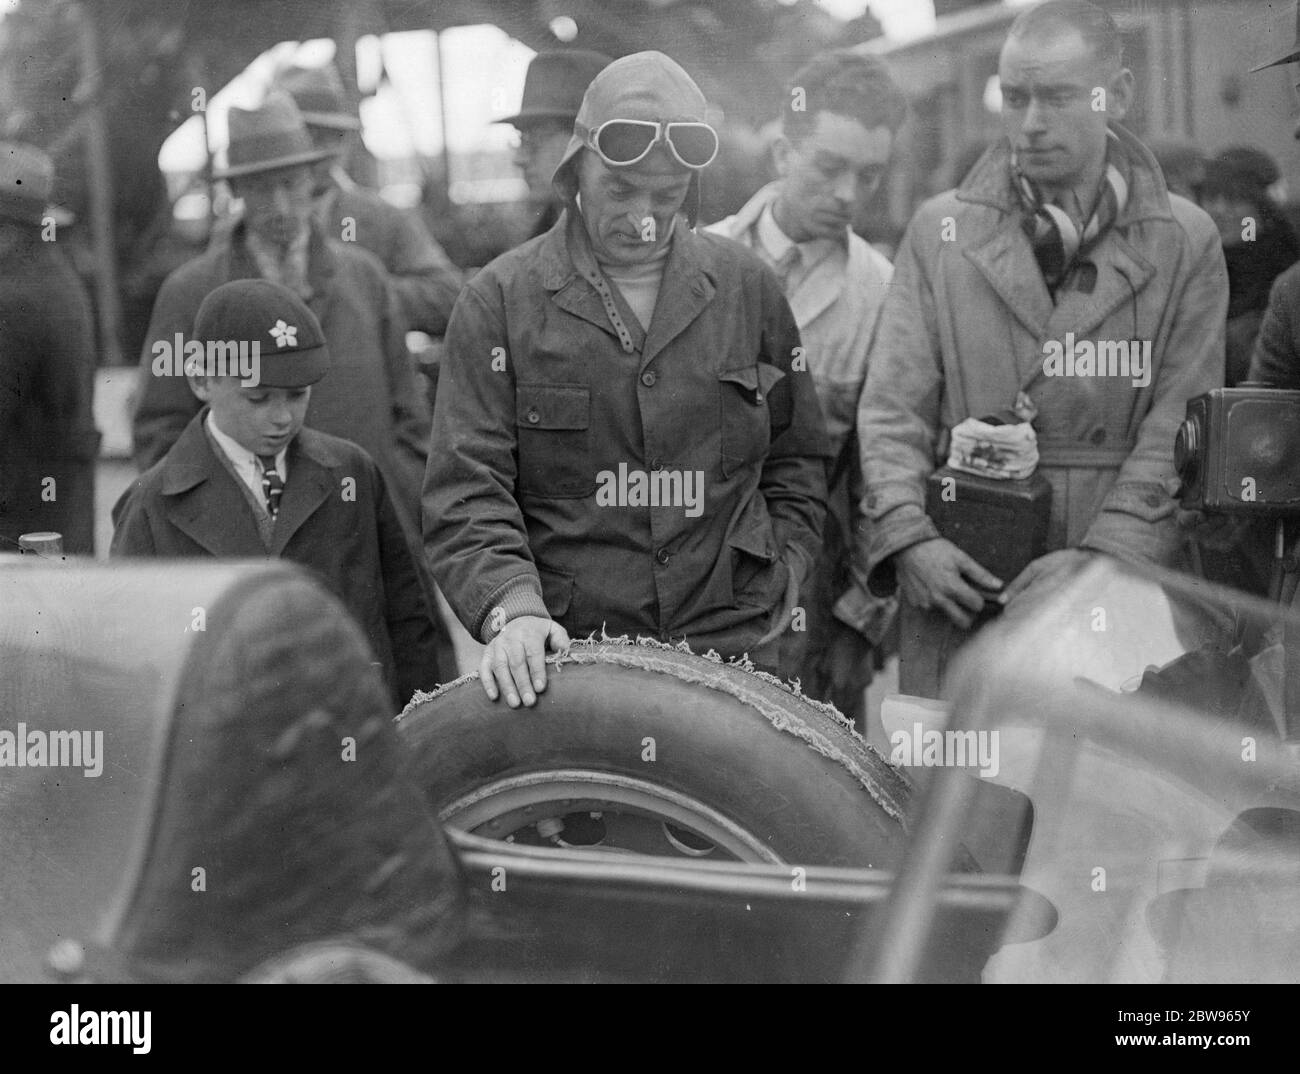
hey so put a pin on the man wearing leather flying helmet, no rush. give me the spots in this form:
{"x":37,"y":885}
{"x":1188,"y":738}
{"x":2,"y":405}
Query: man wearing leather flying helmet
{"x":626,"y":437}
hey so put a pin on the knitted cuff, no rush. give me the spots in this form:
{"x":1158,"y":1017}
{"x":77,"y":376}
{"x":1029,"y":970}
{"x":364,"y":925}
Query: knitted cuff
{"x":522,"y":598}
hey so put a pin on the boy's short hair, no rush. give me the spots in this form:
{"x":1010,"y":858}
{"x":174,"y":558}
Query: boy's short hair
{"x":848,"y":84}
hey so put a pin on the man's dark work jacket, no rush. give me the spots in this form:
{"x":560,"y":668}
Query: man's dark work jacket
{"x":541,"y":404}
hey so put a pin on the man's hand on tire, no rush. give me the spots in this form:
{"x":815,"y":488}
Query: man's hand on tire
{"x":938,"y":574}
{"x":514,"y":662}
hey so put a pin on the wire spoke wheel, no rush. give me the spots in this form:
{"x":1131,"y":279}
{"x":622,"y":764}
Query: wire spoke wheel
{"x":602,"y":810}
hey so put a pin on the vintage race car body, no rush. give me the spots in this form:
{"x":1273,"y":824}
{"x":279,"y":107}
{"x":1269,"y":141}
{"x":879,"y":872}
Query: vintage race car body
{"x":255,"y":806}
{"x":226,"y":824}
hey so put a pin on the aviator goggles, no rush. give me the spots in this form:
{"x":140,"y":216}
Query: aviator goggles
{"x":622,"y":142}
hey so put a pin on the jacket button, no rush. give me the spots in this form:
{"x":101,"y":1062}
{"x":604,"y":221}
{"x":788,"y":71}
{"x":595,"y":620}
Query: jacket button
{"x":656,"y":463}
{"x":648,"y":378}
{"x":533,"y":417}
{"x":1098,"y":436}
{"x":663,"y":556}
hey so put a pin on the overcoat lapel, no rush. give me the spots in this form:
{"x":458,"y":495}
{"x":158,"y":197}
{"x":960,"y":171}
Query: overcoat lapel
{"x":321,"y":267}
{"x":1006,"y":257}
{"x":202,"y":500}
{"x":309,"y":484}
{"x":1122,"y":273}
{"x":1003,"y":260}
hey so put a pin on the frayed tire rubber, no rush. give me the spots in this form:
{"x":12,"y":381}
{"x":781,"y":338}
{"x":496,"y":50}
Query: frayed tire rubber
{"x":789,"y":772}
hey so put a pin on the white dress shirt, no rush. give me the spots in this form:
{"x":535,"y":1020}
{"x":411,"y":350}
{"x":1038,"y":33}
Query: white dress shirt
{"x":246,"y":464}
{"x":778,"y":246}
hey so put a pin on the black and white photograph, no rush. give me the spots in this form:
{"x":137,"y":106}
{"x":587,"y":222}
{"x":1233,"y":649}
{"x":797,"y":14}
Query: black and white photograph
{"x":650,"y":491}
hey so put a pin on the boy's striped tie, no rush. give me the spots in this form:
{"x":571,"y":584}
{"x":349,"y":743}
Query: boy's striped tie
{"x":272,"y":484}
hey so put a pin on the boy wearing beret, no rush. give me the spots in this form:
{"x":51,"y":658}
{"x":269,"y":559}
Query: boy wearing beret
{"x":246,"y":479}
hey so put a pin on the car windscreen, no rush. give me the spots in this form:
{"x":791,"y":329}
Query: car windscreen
{"x":1139,"y":723}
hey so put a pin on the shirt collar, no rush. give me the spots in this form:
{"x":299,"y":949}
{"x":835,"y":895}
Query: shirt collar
{"x":240,"y":456}
{"x":775,"y":241}
{"x":778,"y":244}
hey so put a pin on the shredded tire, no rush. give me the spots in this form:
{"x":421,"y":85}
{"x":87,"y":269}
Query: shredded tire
{"x":788,"y":769}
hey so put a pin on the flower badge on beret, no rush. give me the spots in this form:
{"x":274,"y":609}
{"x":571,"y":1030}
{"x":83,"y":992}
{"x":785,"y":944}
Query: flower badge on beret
{"x":286,"y":335}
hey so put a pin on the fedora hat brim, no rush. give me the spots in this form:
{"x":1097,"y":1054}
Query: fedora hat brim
{"x":253,"y":167}
{"x":535,"y":115}
{"x":335,"y":121}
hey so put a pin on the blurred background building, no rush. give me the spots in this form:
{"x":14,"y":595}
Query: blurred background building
{"x":130,"y":97}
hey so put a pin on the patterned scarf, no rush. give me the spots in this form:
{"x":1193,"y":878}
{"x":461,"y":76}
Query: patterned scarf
{"x":1057,"y":241}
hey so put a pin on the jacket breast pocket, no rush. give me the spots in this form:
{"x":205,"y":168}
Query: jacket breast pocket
{"x":553,"y":434}
{"x":746,"y":416}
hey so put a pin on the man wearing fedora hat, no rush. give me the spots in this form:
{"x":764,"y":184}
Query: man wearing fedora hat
{"x":424,"y":280}
{"x":48,"y":441}
{"x":370,"y":397}
{"x":553,"y":89}
{"x":245,"y":478}
{"x":627,"y":437}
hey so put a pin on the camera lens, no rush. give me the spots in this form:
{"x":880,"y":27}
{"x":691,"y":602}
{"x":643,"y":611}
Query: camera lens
{"x":1186,"y":444}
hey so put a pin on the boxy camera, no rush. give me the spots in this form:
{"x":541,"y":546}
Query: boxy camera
{"x":1238,"y":452}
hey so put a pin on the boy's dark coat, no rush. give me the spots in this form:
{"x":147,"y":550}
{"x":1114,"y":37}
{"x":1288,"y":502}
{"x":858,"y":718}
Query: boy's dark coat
{"x":346,"y":534}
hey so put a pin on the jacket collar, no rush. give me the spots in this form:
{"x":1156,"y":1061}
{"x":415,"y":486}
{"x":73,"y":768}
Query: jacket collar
{"x":746,"y":220}
{"x":688,"y":282}
{"x":236,"y":263}
{"x":820,"y":287}
{"x":748,"y":216}
{"x":203,"y":501}
{"x":1005,"y":256}
{"x":989,"y":182}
